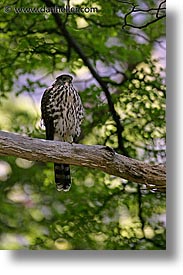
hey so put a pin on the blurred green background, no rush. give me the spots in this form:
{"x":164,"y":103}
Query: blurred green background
{"x":100,"y":211}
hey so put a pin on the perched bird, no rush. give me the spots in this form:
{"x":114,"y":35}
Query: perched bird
{"x":62,"y":114}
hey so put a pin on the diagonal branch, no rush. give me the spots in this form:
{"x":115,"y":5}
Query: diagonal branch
{"x":73,"y":43}
{"x":92,"y":156}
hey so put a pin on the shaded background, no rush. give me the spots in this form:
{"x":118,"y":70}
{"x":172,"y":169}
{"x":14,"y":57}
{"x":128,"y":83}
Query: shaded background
{"x":100,"y":211}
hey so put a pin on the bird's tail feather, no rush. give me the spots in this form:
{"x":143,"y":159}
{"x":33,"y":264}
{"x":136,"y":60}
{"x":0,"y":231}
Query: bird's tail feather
{"x":62,"y":177}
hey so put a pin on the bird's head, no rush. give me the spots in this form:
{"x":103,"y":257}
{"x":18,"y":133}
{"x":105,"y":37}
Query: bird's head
{"x":64,"y":79}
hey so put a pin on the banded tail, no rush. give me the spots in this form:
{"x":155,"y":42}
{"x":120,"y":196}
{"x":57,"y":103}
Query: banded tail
{"x":62,"y":177}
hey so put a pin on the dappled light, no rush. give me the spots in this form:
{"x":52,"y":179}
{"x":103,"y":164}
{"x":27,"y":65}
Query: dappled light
{"x":116,"y":57}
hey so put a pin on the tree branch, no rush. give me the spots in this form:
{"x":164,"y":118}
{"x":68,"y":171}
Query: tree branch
{"x":93,"y":156}
{"x":73,"y":43}
{"x":145,"y":25}
{"x":147,"y":11}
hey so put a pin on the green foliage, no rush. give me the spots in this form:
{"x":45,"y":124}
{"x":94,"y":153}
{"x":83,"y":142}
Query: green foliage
{"x":100,"y":211}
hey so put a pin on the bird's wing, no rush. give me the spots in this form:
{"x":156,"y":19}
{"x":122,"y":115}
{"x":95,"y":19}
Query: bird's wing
{"x":46,"y":115}
{"x":49,"y":129}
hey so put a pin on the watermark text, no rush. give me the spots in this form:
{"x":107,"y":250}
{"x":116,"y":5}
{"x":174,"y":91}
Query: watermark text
{"x":55,"y":9}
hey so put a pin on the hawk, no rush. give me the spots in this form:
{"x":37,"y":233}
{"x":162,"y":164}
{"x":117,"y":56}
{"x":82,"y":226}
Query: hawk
{"x":62,"y":114}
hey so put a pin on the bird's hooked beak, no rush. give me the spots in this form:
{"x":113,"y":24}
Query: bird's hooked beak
{"x":66,"y":83}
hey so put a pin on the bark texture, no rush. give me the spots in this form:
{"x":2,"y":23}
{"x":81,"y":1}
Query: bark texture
{"x":92,"y":156}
